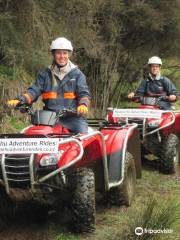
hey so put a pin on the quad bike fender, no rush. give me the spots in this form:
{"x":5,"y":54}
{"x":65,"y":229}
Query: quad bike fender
{"x":168,"y":123}
{"x":172,"y":121}
{"x":176,"y":127}
{"x":134,"y":147}
{"x":91,"y":155}
{"x":93,"y":151}
{"x":71,"y":151}
{"x":114,"y":147}
{"x":118,"y":143}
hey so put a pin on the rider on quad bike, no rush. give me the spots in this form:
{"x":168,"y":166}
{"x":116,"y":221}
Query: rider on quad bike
{"x":62,"y":86}
{"x":160,"y":137}
{"x":103,"y":161}
{"x":156,"y":85}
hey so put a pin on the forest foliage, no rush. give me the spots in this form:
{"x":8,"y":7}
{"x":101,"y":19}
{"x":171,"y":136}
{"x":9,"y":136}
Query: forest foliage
{"x":112,"y":40}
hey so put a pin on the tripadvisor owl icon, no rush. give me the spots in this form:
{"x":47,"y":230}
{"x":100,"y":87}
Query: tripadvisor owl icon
{"x":139,"y":231}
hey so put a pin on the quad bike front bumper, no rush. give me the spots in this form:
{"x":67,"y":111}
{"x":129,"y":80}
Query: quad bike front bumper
{"x":26,"y":163}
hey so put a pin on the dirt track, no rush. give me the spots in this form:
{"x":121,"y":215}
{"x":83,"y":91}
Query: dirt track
{"x":25,"y":227}
{"x":28,"y":232}
{"x":109,"y":219}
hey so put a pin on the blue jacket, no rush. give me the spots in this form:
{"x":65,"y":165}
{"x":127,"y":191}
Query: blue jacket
{"x":67,"y":93}
{"x":162,"y":86}
{"x":157,"y":87}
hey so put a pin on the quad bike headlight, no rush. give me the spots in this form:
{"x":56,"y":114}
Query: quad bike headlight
{"x":51,"y":159}
{"x":154,"y":123}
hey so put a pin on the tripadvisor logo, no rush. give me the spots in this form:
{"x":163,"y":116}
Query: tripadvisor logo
{"x":139,"y":231}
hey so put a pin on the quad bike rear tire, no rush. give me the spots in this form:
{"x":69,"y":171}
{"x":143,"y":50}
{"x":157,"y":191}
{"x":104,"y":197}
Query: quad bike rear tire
{"x":169,"y":154}
{"x":83,"y":200}
{"x":124,"y":194}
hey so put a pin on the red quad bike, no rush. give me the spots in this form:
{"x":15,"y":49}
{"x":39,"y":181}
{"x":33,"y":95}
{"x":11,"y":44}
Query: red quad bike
{"x":160,"y":131}
{"x":106,"y":160}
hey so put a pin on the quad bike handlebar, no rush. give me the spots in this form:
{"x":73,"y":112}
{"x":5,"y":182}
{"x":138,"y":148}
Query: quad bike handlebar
{"x":27,"y":108}
{"x":67,"y":113}
{"x":153,"y":100}
{"x":155,"y":96}
{"x":158,"y":98}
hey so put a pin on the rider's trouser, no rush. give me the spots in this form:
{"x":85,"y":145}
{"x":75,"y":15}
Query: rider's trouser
{"x":75,"y":124}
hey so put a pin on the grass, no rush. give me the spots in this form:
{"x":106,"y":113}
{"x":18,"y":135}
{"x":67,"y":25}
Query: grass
{"x":17,"y":124}
{"x":156,"y":206}
{"x":66,"y":236}
{"x":13,"y":124}
{"x":8,"y":74}
{"x":154,"y":216}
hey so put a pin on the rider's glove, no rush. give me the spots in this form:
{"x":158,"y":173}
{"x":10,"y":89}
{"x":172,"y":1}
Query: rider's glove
{"x":82,"y":109}
{"x":25,"y":98}
{"x":172,"y":98}
{"x":13,"y":103}
{"x":131,"y":95}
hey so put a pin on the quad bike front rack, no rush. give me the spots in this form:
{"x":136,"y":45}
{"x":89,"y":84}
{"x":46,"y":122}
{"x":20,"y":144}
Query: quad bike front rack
{"x":142,"y":122}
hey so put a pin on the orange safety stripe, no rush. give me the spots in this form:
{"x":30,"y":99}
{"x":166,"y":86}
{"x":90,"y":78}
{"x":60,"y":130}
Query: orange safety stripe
{"x":70,"y":95}
{"x":28,"y":97}
{"x":49,"y":95}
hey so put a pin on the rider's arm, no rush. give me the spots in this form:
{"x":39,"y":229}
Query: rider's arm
{"x":33,"y":92}
{"x":141,"y":90}
{"x":82,"y":90}
{"x":170,"y":87}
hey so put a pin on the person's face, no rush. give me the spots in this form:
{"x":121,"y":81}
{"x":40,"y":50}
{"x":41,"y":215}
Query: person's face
{"x":61,"y":57}
{"x":155,"y":69}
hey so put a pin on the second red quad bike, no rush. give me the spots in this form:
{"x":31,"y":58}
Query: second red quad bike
{"x":48,"y":164}
{"x":160,"y":131}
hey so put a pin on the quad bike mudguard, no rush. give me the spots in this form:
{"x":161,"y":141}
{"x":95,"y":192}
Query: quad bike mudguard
{"x":176,"y":126}
{"x":118,"y":143}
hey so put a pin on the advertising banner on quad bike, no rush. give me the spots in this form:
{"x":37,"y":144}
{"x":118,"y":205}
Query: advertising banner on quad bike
{"x":29,"y":145}
{"x":137,"y":113}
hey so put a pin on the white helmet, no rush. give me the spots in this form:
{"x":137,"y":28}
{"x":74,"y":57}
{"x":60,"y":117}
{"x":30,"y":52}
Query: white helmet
{"x":154,"y":60}
{"x":61,"y":43}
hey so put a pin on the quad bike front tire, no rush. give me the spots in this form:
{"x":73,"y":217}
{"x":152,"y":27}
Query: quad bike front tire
{"x":169,"y":161}
{"x":124,"y":194}
{"x":83,"y":200}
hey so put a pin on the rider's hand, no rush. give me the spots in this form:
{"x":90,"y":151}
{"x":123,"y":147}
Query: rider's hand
{"x":131,"y":95}
{"x":172,"y":98}
{"x":13,"y":103}
{"x":82,"y":109}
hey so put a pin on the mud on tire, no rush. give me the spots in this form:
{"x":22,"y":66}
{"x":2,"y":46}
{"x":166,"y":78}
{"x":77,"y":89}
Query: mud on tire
{"x":169,"y":154}
{"x":124,"y":194}
{"x":83,"y":200}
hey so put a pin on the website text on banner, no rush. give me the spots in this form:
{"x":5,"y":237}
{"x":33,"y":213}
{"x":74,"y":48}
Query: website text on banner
{"x":29,"y":145}
{"x":137,"y":113}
